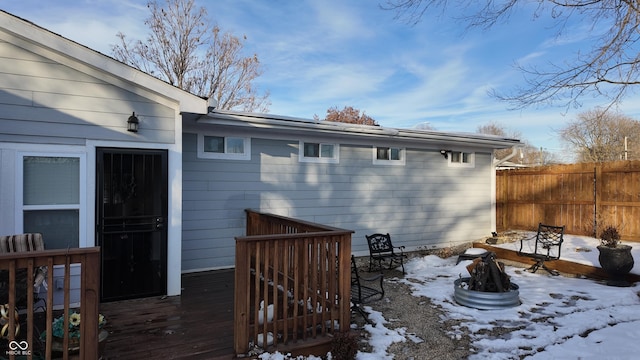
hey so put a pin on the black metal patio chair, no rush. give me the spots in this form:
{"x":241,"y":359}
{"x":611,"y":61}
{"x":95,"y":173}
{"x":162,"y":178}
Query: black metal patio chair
{"x":381,"y":249}
{"x":546,"y":247}
{"x":364,"y":290}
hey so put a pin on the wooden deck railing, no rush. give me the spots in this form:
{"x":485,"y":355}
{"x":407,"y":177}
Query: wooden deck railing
{"x":23,"y":345}
{"x":292,"y":282}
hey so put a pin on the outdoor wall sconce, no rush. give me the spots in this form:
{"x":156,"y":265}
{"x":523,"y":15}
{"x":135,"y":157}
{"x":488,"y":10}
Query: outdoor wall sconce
{"x":133,"y":123}
{"x":445,"y":153}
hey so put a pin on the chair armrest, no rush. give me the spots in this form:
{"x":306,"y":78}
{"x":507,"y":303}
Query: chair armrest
{"x":522,"y":243}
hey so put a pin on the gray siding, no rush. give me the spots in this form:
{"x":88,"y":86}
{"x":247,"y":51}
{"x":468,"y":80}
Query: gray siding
{"x":45,"y":102}
{"x":424,"y":204}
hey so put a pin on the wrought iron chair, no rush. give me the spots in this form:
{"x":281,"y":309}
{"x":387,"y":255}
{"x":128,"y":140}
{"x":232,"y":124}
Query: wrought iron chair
{"x":547,"y":246}
{"x":381,"y":249}
{"x":361,"y":293}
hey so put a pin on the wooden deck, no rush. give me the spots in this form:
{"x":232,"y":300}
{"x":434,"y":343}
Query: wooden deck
{"x":199,"y":324}
{"x":196,"y":325}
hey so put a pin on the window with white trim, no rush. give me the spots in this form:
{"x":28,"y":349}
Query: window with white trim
{"x":461,"y":159}
{"x":52,"y":198}
{"x":224,"y":147}
{"x":319,"y":152}
{"x":388,"y":156}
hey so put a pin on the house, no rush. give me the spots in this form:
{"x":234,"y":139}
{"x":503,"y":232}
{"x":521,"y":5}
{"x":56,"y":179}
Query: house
{"x":71,"y":170}
{"x":170,"y":195}
{"x":428,"y":189}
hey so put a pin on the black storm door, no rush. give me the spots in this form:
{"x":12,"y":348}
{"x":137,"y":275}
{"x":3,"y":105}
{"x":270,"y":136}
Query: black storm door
{"x":131,"y":195}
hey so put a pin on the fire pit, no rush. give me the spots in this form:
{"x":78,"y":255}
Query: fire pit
{"x":488,"y":287}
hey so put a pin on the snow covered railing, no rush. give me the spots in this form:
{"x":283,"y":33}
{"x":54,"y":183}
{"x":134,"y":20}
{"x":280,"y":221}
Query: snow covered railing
{"x":292,"y":282}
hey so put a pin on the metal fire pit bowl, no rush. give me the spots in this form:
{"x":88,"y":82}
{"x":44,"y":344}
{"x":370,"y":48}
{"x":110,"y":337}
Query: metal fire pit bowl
{"x":485,"y":300}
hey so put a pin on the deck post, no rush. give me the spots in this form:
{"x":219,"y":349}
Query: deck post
{"x":241,"y":299}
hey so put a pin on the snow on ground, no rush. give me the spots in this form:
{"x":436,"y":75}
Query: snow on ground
{"x":558,"y":318}
{"x":579,"y":249}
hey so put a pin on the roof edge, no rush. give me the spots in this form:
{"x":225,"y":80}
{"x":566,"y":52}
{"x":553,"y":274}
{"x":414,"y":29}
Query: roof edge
{"x":277,"y":122}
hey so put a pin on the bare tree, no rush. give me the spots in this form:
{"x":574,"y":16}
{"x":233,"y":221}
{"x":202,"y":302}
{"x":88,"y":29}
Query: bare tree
{"x":528,"y":154}
{"x":608,"y":69}
{"x":424,"y":126}
{"x":494,"y":128}
{"x":185,"y":50}
{"x":599,"y":135}
{"x":533,"y":156}
{"x":347,"y":115}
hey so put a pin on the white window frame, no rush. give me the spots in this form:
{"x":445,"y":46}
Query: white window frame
{"x":81,"y":207}
{"x":246,"y":155}
{"x":401,"y":153}
{"x":469,"y":164}
{"x":332,"y":160}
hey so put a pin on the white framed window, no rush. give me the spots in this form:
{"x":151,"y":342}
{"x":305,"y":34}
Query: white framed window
{"x":388,"y":156}
{"x":462,"y":159}
{"x":319,"y":152}
{"x":224,"y":147}
{"x":50,"y":197}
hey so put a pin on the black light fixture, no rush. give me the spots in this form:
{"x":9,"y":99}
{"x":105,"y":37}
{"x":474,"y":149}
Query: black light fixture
{"x":445,"y":153}
{"x":133,"y":123}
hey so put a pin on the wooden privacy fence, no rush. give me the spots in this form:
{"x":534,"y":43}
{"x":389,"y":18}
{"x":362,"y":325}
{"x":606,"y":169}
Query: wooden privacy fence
{"x":584,"y":197}
{"x":23,"y":344}
{"x":292,"y":282}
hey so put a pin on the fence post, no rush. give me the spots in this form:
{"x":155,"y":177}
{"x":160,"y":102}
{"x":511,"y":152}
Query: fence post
{"x":597,"y":201}
{"x":503,"y":205}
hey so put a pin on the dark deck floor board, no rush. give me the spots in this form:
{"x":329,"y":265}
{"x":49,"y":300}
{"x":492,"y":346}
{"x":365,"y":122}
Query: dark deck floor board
{"x":196,"y":325}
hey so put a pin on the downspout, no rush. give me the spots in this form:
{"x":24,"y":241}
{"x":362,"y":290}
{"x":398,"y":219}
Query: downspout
{"x":514,"y":151}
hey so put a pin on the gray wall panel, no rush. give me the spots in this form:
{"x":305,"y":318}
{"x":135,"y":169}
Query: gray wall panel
{"x":423,"y":204}
{"x":46,"y":102}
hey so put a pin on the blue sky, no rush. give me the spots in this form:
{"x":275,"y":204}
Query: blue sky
{"x":325,"y":53}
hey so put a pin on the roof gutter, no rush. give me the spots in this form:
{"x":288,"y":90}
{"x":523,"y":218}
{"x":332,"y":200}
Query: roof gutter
{"x":276,"y":122}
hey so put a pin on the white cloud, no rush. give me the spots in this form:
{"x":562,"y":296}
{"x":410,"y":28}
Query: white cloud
{"x":91,"y":23}
{"x":339,"y":21}
{"x":530,"y":57}
{"x":319,"y":54}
